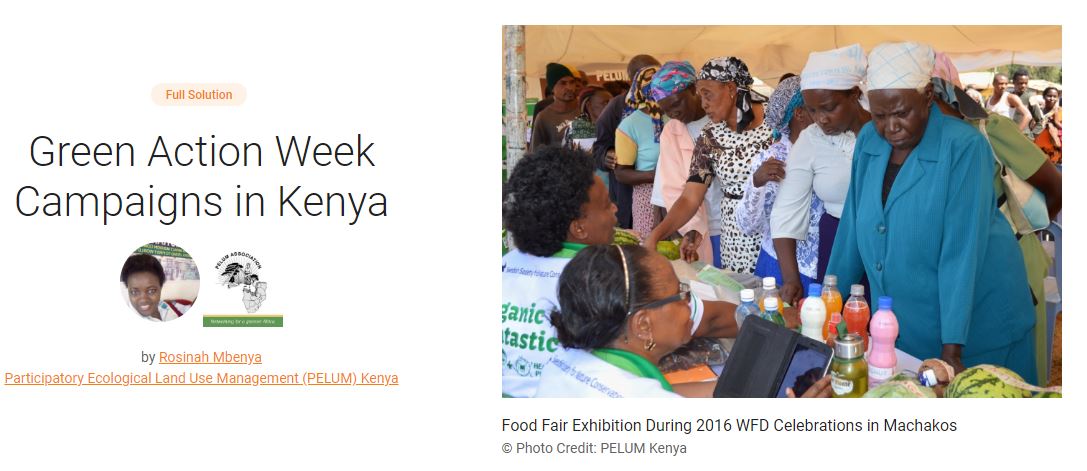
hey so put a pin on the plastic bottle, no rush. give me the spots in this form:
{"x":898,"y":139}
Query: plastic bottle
{"x":771,"y":313}
{"x":856,"y":313}
{"x":813,"y":314}
{"x":769,"y":289}
{"x":833,"y":301}
{"x":882,"y":359}
{"x":747,"y":307}
{"x":835,"y":332}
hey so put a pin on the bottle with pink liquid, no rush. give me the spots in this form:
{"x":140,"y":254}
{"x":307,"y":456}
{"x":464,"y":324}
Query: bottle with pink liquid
{"x":884,"y":330}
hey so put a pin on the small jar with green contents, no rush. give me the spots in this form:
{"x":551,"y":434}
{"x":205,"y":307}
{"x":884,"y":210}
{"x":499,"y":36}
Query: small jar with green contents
{"x":848,"y":370}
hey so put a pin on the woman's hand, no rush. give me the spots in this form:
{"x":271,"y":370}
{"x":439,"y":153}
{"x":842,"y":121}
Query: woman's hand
{"x":952,"y":354}
{"x":689,"y":247}
{"x":610,"y":160}
{"x":773,"y":170}
{"x":791,"y":289}
{"x":821,"y":388}
{"x":792,"y":292}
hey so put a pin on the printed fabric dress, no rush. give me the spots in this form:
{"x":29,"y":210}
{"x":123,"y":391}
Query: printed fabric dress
{"x":753,"y":217}
{"x":726,"y":156}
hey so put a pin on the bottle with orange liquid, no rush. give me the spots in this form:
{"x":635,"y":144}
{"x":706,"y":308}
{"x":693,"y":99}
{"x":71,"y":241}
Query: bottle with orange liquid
{"x":833,"y":301}
{"x":857,"y":313}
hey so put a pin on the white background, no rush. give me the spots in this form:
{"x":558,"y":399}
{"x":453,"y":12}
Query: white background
{"x":411,"y":293}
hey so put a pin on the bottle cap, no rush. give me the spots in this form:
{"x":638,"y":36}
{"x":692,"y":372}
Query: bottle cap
{"x":885,"y":303}
{"x":928,"y":378}
{"x":747,"y":295}
{"x":856,"y":290}
{"x":849,"y":346}
{"x":830,"y":280}
{"x":815,"y":290}
{"x":769,"y":282}
{"x":771,"y":304}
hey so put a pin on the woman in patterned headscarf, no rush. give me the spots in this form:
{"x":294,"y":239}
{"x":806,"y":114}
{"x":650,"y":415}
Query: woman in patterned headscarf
{"x":736,"y":134}
{"x":637,"y":148}
{"x":788,"y":117}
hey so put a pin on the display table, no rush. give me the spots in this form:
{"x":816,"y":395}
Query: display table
{"x":688,"y":273}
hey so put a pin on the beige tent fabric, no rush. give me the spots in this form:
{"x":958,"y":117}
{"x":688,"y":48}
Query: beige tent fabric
{"x":773,"y":50}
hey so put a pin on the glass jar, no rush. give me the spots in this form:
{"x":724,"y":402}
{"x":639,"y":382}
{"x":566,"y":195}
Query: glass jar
{"x":848,"y":370}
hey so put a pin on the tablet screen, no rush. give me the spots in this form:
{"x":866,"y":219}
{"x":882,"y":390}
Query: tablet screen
{"x":806,"y":367}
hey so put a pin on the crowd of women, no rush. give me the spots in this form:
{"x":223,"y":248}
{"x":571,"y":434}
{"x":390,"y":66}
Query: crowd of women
{"x":878,"y":168}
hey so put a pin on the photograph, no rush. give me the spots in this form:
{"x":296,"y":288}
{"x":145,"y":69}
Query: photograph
{"x":160,"y":281}
{"x":781,"y":211}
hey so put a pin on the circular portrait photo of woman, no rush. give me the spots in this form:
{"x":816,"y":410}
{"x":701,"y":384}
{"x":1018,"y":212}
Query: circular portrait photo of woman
{"x":160,"y":281}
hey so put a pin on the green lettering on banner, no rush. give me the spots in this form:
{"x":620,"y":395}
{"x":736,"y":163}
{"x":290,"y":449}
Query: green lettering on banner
{"x":163,"y":251}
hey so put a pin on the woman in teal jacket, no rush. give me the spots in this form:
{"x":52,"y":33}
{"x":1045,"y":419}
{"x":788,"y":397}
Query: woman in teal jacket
{"x":921,"y":221}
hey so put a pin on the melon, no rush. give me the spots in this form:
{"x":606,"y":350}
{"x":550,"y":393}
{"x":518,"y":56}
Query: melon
{"x":669,"y":249}
{"x":988,"y":381}
{"x":901,"y":385}
{"x":626,"y":237}
{"x":1047,"y":394}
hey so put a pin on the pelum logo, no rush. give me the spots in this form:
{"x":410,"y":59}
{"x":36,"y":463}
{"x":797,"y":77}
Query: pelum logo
{"x":242,"y":269}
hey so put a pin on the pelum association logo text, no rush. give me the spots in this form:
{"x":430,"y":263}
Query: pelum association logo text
{"x":242,"y":269}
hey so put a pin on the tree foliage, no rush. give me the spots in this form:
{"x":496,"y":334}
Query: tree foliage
{"x":1050,"y":73}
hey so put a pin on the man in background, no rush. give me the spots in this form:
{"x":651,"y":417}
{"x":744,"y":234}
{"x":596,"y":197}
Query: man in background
{"x":551,"y":124}
{"x":1030,"y":99}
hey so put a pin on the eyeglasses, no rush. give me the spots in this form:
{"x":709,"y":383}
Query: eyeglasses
{"x":683,"y":295}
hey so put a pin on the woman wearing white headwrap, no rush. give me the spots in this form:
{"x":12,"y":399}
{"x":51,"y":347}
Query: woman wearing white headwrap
{"x":819,"y":163}
{"x":921,"y":221}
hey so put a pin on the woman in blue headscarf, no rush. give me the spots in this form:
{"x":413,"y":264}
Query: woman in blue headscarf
{"x":673,"y":87}
{"x":787,"y":116}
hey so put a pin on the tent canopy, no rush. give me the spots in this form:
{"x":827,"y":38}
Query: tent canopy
{"x":771,"y":51}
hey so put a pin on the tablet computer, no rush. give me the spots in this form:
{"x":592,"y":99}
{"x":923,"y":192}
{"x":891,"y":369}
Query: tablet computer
{"x":767,"y":358}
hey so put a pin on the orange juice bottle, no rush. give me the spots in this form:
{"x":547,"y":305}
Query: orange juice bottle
{"x":833,"y":300}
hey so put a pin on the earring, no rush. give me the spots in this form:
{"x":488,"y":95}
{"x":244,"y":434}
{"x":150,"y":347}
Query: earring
{"x":650,"y":345}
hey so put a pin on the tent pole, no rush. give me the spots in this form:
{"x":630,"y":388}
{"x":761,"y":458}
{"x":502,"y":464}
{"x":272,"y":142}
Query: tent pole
{"x":515,"y":95}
